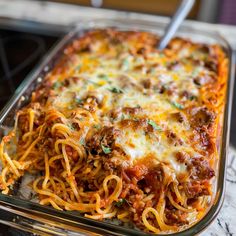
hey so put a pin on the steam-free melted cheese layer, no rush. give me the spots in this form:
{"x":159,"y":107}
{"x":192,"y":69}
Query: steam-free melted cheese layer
{"x":118,"y":129}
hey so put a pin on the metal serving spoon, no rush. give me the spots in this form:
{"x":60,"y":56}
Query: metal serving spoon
{"x":177,"y":19}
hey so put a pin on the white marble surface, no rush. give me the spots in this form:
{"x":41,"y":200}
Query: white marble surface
{"x":225,"y":222}
{"x":63,"y":15}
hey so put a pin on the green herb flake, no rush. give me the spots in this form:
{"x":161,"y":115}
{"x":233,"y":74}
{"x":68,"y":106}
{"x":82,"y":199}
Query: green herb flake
{"x":122,"y":117}
{"x":82,"y":141}
{"x":94,"y":83}
{"x":78,"y":67}
{"x":191,"y":98}
{"x":177,"y":105}
{"x":120,"y":202}
{"x":125,"y":64}
{"x":195,"y":72}
{"x":78,"y":100}
{"x":154,"y":125}
{"x":97,"y":126}
{"x":116,"y":90}
{"x":103,"y":76}
{"x":56,"y":85}
{"x":105,"y":149}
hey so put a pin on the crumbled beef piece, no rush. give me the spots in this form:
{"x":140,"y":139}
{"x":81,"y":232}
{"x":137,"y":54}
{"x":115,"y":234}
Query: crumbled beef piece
{"x":212,"y":65}
{"x":204,"y":79}
{"x":176,"y":217}
{"x":138,"y":172}
{"x":201,"y":116}
{"x":179,"y":117}
{"x":195,"y":188}
{"x":106,"y":136}
{"x":132,"y":110}
{"x":154,"y":178}
{"x":182,"y":156}
{"x":200,"y":168}
{"x":173,"y":138}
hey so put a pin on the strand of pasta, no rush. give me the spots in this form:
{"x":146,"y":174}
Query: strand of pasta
{"x":47,"y":171}
{"x":175,"y":189}
{"x":29,"y":149}
{"x":176,"y":205}
{"x":75,"y":206}
{"x":12,"y":165}
{"x":117,"y":191}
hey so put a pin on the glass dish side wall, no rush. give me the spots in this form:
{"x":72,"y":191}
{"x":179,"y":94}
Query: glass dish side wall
{"x":19,"y":206}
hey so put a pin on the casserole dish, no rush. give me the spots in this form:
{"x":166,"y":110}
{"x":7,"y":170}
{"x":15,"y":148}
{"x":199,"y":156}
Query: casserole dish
{"x":21,"y":97}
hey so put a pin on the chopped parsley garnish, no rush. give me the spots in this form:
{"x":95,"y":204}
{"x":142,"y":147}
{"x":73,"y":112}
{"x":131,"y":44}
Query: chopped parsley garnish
{"x":71,"y":107}
{"x":177,"y":105}
{"x":154,"y":125}
{"x":125,"y":64}
{"x":56,"y":85}
{"x":78,"y":67}
{"x":103,"y":76}
{"x":161,"y":55}
{"x":105,"y":149}
{"x":120,"y":202}
{"x":116,"y":90}
{"x":82,"y":141}
{"x":78,"y":100}
{"x":97,"y":126}
{"x":191,"y":98}
{"x":195,"y":72}
{"x":94,"y":83}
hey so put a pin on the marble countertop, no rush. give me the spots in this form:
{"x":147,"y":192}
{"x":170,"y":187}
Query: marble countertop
{"x":36,"y":13}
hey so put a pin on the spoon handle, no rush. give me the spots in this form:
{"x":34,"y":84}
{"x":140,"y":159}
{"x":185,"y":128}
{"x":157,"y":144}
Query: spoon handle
{"x":177,"y":19}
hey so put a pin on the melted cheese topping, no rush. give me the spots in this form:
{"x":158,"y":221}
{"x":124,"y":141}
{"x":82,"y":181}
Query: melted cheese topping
{"x":161,"y":85}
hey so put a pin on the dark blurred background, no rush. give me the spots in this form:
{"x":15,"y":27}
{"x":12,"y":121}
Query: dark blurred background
{"x":214,"y":11}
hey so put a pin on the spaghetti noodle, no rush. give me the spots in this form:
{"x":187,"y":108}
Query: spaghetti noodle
{"x":118,"y":129}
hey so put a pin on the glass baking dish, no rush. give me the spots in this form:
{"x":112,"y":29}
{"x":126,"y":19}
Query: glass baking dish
{"x":35,"y":218}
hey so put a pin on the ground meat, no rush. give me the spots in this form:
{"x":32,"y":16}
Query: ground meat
{"x":147,"y":83}
{"x":132,"y":110}
{"x":204,"y":48}
{"x":171,"y":89}
{"x":196,"y":188}
{"x":154,"y":179}
{"x":212,"y":65}
{"x":206,"y":141}
{"x":200,"y":168}
{"x":71,"y":153}
{"x":23,"y":123}
{"x":90,"y":104}
{"x":204,"y":79}
{"x":68,"y":81}
{"x":178,"y":117}
{"x":175,"y":65}
{"x":182,"y":156}
{"x":94,"y":95}
{"x":176,"y":217}
{"x":106,"y":136}
{"x":115,"y":113}
{"x":138,"y":172}
{"x":111,"y":166}
{"x":201,"y":116}
{"x":173,"y":138}
{"x":203,"y":140}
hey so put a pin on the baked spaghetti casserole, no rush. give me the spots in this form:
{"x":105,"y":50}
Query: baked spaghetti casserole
{"x":120,"y":130}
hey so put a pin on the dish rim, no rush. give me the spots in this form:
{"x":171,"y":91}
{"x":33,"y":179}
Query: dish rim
{"x":33,"y":79}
